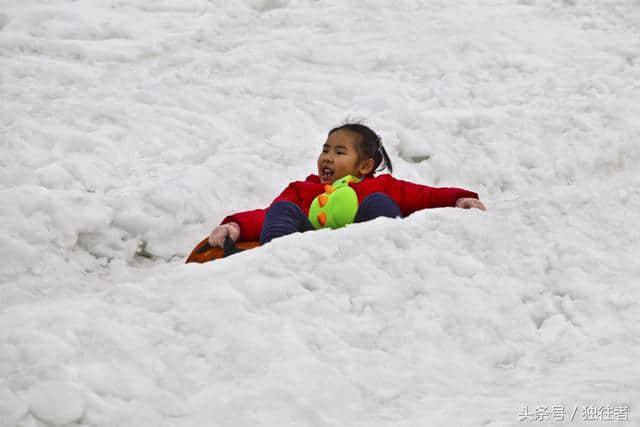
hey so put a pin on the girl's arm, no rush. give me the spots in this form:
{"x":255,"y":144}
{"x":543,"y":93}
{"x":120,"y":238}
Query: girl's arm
{"x":250,"y":222}
{"x":412,"y":197}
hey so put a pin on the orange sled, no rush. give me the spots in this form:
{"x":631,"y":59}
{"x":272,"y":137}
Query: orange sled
{"x":203,"y":252}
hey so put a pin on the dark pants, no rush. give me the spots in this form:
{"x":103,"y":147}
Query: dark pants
{"x":284,"y":218}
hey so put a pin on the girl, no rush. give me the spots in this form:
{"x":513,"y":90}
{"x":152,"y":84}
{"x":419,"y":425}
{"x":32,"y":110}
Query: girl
{"x":351,"y":149}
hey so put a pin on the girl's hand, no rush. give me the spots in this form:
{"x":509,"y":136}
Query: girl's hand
{"x":469,"y":202}
{"x":231,"y":229}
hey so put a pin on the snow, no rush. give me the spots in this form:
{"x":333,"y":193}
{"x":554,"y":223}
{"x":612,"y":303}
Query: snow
{"x":129,"y":129}
{"x":56,"y":403}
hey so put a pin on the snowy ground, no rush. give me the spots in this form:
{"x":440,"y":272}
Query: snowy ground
{"x":130,"y":128}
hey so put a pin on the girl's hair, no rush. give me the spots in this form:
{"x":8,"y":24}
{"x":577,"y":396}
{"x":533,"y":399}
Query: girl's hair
{"x":369,"y":146}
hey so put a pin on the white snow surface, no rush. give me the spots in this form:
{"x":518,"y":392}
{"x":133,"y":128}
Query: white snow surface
{"x":130,"y":128}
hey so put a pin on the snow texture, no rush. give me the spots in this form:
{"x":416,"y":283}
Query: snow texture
{"x":130,"y":128}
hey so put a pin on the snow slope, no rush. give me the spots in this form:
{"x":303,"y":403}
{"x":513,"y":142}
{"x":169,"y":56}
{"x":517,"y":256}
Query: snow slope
{"x":130,"y":128}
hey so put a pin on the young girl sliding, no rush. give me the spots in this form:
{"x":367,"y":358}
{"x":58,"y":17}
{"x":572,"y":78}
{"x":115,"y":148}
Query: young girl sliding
{"x":355,"y":152}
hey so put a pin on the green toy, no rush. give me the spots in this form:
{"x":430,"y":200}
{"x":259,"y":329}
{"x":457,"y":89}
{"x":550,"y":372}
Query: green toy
{"x":337,"y":206}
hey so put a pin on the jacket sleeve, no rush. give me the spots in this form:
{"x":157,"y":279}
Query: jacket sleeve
{"x":412,"y":197}
{"x":250,"y":222}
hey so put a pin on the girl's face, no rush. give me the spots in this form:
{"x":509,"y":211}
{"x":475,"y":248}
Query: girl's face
{"x":339,"y":158}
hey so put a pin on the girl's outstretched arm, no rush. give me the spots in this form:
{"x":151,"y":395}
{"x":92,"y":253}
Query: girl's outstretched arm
{"x":412,"y":197}
{"x":250,"y":222}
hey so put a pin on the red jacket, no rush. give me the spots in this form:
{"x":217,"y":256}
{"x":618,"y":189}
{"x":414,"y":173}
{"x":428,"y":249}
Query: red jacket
{"x":410,"y":197}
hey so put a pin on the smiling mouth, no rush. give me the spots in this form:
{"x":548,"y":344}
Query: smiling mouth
{"x":326,"y":174}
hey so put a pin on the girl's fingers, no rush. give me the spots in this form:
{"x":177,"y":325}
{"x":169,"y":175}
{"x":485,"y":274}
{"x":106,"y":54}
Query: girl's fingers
{"x":468,"y":203}
{"x":479,"y":205}
{"x":231,"y":229}
{"x":216,"y":239}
